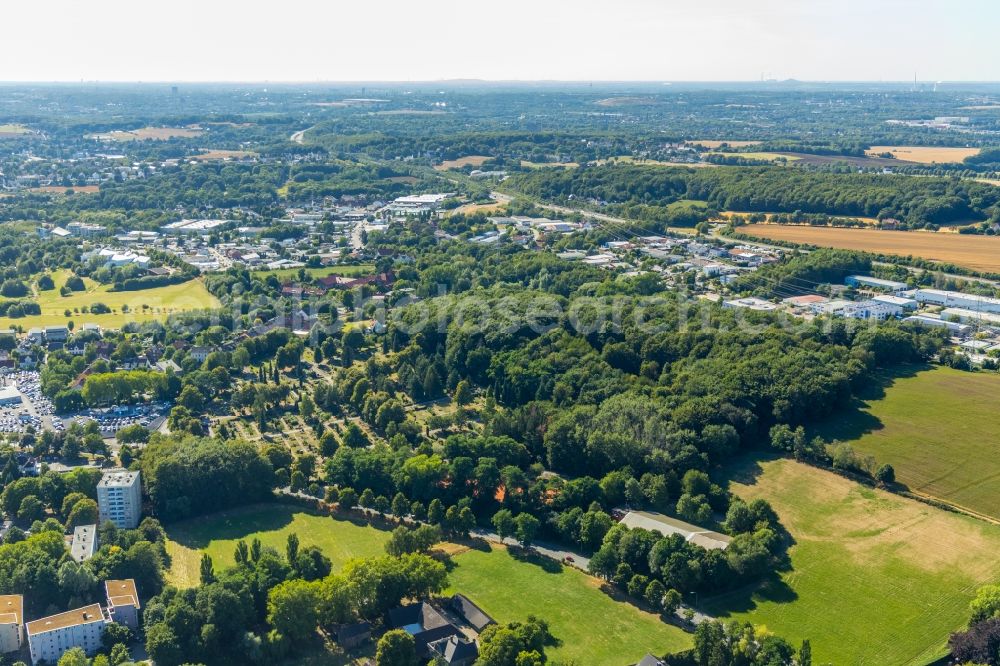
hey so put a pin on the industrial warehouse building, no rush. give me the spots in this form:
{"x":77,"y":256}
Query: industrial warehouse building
{"x":955,"y":299}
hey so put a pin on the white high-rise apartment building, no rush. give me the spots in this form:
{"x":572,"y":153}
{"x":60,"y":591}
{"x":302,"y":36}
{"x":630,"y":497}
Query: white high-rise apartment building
{"x":119,"y":498}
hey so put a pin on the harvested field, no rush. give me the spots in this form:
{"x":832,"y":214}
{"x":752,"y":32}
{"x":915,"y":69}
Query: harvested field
{"x":981,"y":253}
{"x":214,"y":155}
{"x":60,"y":189}
{"x":874,"y":578}
{"x":713,"y":144}
{"x":627,"y":101}
{"x":473,"y":208}
{"x":12,"y":130}
{"x":764,"y":156}
{"x":925,"y":154}
{"x":468,"y":160}
{"x":149,"y":134}
{"x":541,"y":165}
{"x":863,"y":162}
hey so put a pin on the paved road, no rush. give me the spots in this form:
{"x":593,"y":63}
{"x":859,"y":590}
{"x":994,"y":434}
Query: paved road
{"x":548,"y":550}
{"x":299,"y":137}
{"x":356,"y":241}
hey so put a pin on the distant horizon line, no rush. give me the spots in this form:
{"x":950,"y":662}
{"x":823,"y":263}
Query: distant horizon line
{"x":665,"y":82}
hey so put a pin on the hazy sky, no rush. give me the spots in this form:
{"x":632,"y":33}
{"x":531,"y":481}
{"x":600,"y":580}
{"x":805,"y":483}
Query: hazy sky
{"x":400,"y":40}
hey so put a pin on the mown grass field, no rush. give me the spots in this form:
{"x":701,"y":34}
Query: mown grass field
{"x":981,"y":253}
{"x":593,"y":628}
{"x":937,"y":428}
{"x":293,"y":273}
{"x":874,"y":579}
{"x":217,"y":534}
{"x":161,"y":302}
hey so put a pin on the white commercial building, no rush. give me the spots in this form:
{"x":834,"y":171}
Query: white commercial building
{"x":870,"y":282}
{"x":9,"y":396}
{"x":11,"y":622}
{"x":872,"y":309}
{"x":956,"y":299}
{"x":961,"y":330}
{"x":750,"y":303}
{"x":965,"y":316}
{"x":119,"y":498}
{"x":49,"y":637}
{"x":904,"y":303}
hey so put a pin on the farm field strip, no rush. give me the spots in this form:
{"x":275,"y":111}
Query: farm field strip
{"x":925,"y":154}
{"x":713,"y":144}
{"x":937,"y":428}
{"x":981,"y":253}
{"x":874,"y":578}
{"x":468,"y":160}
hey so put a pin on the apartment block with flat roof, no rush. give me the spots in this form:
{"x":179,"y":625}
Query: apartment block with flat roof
{"x":119,"y":498}
{"x":123,"y":602}
{"x":49,"y":637}
{"x":11,"y":622}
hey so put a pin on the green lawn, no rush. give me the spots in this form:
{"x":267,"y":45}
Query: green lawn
{"x":218,"y":533}
{"x":938,"y":429}
{"x":593,"y":628}
{"x":161,"y":302}
{"x":346,"y":270}
{"x":875,"y":578}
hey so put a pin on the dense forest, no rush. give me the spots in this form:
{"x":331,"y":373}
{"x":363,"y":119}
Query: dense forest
{"x":626,"y":189}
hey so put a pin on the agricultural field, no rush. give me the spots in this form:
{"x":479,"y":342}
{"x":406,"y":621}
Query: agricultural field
{"x":468,"y":160}
{"x":350,"y":270}
{"x":12,"y":129}
{"x":874,"y":578}
{"x":541,"y":165}
{"x":770,"y":217}
{"x":490,"y":208}
{"x":713,"y":144}
{"x":593,"y":628}
{"x":217,"y":534}
{"x":159,"y":302}
{"x":937,"y":428}
{"x":762,"y":156}
{"x":981,"y":253}
{"x":60,"y":189}
{"x":148,"y":134}
{"x":925,"y":154}
{"x":215,"y":155}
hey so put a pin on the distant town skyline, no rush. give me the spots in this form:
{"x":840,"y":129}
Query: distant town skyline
{"x":579,"y":40}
